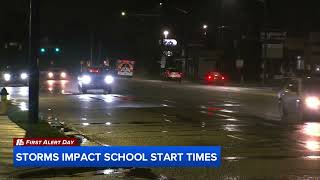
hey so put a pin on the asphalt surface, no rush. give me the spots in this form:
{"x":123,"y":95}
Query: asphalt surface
{"x":244,"y":121}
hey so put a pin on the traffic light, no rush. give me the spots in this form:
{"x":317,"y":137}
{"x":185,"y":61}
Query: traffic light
{"x":44,"y":50}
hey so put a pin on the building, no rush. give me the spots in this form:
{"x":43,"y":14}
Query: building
{"x":200,"y":61}
{"x":302,"y":51}
{"x":13,"y":53}
{"x":312,"y":50}
{"x":288,"y":53}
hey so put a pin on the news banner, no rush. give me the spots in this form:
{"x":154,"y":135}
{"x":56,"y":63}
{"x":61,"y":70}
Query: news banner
{"x":67,"y":152}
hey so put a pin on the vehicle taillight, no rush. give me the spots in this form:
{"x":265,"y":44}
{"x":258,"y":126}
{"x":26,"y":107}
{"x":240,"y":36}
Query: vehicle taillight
{"x":209,"y":77}
{"x":94,"y":70}
{"x":222,"y":78}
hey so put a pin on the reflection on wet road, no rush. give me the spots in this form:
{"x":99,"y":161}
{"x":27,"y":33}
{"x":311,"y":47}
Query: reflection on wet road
{"x":151,"y":113}
{"x":56,"y":87}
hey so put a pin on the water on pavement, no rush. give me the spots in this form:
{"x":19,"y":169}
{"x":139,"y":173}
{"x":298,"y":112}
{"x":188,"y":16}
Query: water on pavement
{"x":244,"y":121}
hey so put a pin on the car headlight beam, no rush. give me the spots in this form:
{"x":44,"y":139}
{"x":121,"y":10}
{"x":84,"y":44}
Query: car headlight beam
{"x":63,"y":74}
{"x":86,"y":79}
{"x":50,"y":75}
{"x":7,"y":77}
{"x":108,"y":79}
{"x":23,"y":76}
{"x":312,"y":102}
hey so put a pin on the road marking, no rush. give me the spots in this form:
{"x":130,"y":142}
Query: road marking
{"x":169,"y":101}
{"x":222,"y":115}
{"x":235,"y":137}
{"x":230,"y":158}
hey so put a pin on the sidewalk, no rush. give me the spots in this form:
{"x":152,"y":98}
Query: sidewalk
{"x":8,"y":131}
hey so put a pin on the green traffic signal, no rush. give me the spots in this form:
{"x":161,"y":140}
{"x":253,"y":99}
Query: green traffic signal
{"x":44,"y":50}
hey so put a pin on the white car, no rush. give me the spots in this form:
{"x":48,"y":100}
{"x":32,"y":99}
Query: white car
{"x":300,"y":99}
{"x":95,"y":78}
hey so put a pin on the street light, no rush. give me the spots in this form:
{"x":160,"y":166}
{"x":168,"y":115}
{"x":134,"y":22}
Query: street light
{"x":123,"y":13}
{"x":165,"y":33}
{"x":205,"y":26}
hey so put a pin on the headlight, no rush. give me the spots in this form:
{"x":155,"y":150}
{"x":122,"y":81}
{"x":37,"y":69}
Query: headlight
{"x":312,"y":102}
{"x":7,"y":77}
{"x":63,"y":75}
{"x":86,"y":79}
{"x":23,"y":76}
{"x":50,"y":75}
{"x":108,"y":79}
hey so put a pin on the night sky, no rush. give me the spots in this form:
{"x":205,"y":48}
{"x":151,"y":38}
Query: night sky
{"x":75,"y":25}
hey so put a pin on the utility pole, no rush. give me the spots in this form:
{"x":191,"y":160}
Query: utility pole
{"x":99,"y":52}
{"x":91,"y":46}
{"x":185,"y":41}
{"x":264,"y":54}
{"x":34,"y":27}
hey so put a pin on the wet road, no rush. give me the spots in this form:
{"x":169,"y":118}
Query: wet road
{"x":244,"y":121}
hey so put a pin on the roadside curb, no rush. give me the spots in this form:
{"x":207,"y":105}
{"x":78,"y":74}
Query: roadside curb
{"x":190,"y":82}
{"x":70,"y":131}
{"x":57,"y":127}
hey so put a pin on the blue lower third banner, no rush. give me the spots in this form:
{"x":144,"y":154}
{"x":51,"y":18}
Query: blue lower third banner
{"x":117,"y":156}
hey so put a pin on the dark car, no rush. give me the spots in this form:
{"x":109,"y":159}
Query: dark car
{"x":56,"y":74}
{"x":172,"y":74}
{"x":300,"y":98}
{"x":95,"y":78}
{"x":14,"y":76}
{"x":214,"y":78}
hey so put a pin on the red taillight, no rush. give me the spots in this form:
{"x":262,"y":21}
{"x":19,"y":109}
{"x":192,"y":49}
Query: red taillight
{"x":222,"y":78}
{"x":209,"y":77}
{"x":94,"y":70}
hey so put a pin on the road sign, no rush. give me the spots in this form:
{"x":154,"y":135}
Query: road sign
{"x":168,"y":53}
{"x":170,"y":42}
{"x":273,"y":35}
{"x":239,"y":63}
{"x":163,"y":62}
{"x":274,"y":51}
{"x":300,"y":64}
